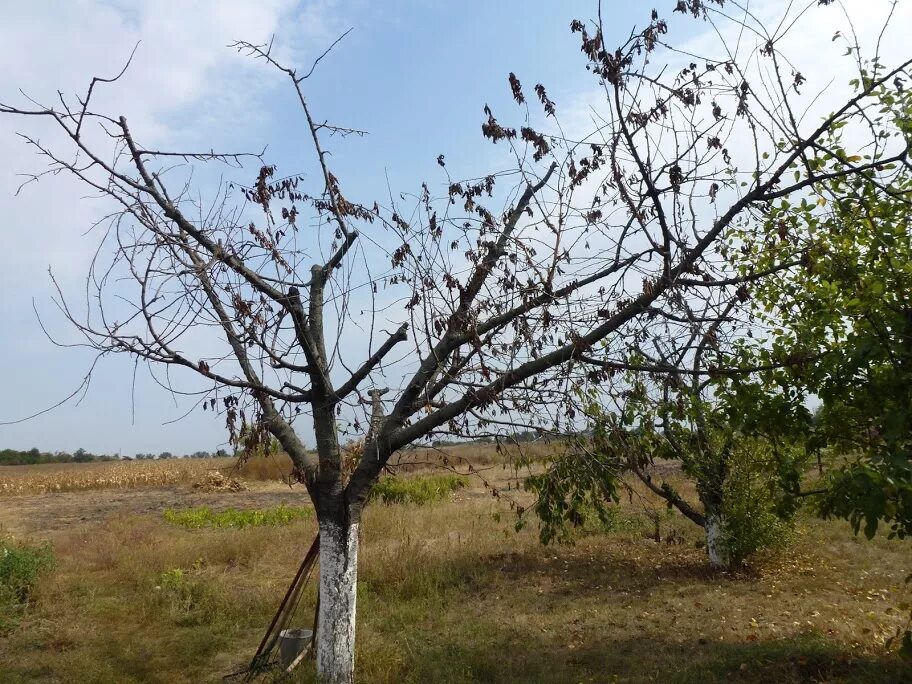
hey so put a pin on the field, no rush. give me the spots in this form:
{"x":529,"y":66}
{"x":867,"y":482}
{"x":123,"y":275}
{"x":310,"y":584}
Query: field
{"x":448,"y":591}
{"x":69,"y":477}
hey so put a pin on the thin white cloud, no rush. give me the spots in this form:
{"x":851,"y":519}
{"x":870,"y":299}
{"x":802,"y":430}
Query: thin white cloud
{"x":184,"y":85}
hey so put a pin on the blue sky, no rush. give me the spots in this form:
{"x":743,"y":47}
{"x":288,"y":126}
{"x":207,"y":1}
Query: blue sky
{"x":414,"y":73}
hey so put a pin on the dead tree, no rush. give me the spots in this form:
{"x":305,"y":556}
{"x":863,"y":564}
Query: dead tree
{"x":490,"y":311}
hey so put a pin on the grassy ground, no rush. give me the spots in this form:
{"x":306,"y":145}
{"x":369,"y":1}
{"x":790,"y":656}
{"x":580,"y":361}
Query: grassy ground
{"x":447,"y":593}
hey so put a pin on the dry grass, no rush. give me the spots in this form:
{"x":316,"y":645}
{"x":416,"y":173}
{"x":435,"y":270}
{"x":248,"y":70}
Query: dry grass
{"x":466,"y":602}
{"x":476,"y":454}
{"x":279,"y":466}
{"x":450,"y":593}
{"x":274,"y":467}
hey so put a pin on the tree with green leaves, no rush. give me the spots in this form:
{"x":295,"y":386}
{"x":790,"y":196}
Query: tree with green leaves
{"x":849,"y":306}
{"x":696,"y":420}
{"x":722,"y":374}
{"x":846,"y":309}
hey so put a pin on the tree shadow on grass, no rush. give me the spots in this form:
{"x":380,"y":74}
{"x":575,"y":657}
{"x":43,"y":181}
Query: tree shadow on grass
{"x":572,"y":572}
{"x":500,"y":655}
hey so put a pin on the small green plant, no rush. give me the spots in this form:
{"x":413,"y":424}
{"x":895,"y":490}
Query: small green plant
{"x":417,"y":490}
{"x":188,"y":597}
{"x":196,"y":518}
{"x":20,"y":567}
{"x":171,"y":579}
{"x":609,"y":520}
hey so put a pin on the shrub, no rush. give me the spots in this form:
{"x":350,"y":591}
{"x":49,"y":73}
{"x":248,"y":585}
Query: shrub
{"x":417,"y":490}
{"x":756,"y":515}
{"x":195,"y":518}
{"x":20,"y":567}
{"x":259,"y":466}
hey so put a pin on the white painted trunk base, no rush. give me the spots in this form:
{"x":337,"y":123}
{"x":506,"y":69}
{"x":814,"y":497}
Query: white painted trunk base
{"x":715,"y":542}
{"x":336,"y":622}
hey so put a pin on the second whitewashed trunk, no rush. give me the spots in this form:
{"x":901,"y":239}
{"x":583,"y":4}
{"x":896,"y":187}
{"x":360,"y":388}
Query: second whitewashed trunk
{"x":338,"y":587}
{"x":715,"y":541}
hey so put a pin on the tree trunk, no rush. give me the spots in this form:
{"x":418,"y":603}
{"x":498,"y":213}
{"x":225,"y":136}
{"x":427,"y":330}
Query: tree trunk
{"x":715,"y":542}
{"x":336,"y":620}
{"x":711,"y":489}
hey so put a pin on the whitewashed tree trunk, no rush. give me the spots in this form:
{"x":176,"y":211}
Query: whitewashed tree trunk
{"x":336,"y":621}
{"x":715,"y":542}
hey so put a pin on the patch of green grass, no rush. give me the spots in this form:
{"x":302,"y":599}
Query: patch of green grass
{"x":417,"y":490}
{"x":20,"y":567}
{"x":196,"y":518}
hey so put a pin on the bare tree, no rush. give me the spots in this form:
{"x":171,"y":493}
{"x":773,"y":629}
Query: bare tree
{"x":492,"y":316}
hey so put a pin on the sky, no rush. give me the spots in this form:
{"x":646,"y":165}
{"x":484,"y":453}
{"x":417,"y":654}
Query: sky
{"x":415,"y":74}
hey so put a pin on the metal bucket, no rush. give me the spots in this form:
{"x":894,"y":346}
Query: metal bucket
{"x":293,"y":642}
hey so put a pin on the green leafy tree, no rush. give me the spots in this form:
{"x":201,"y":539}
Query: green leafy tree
{"x":82,"y":456}
{"x":848,"y":306}
{"x":746,"y":475}
{"x":761,"y":377}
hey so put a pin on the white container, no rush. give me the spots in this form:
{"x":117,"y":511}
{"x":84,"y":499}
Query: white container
{"x":292,"y":643}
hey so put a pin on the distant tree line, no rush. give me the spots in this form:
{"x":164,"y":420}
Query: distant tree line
{"x":34,"y":456}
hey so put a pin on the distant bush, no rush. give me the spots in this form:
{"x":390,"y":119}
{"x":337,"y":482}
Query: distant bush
{"x":20,"y":566}
{"x":273,"y":466}
{"x":195,"y":518}
{"x":417,"y":490}
{"x":31,"y":457}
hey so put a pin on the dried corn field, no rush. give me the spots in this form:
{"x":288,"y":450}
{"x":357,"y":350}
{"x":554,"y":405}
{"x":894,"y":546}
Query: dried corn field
{"x":73,"y":477}
{"x":70,"y":477}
